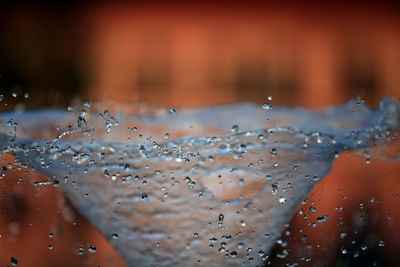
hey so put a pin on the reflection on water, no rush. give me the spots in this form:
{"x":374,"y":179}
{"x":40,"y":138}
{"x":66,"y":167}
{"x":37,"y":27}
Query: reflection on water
{"x":209,"y":186}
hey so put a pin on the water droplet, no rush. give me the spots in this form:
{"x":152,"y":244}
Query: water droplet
{"x":322,"y":218}
{"x":221,"y":217}
{"x":235,"y":128}
{"x":91,"y":249}
{"x":114,"y":236}
{"x":274,"y":189}
{"x":86,"y":103}
{"x":14,"y":261}
{"x":144,"y":197}
{"x":172,"y":111}
{"x":282,"y":200}
{"x":82,"y":124}
{"x":270,"y":98}
{"x":14,"y":94}
{"x":267,"y":106}
{"x":343,"y":235}
{"x":26,"y":95}
{"x":381,"y":243}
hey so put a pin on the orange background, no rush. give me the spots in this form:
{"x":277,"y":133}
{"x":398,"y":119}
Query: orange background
{"x":181,"y":54}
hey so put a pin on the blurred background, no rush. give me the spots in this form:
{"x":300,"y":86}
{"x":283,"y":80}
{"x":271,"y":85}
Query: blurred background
{"x":203,"y":53}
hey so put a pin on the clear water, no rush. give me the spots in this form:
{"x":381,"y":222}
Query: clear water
{"x":193,"y":186}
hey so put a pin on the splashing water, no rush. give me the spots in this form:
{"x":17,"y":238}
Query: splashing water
{"x":195,"y":186}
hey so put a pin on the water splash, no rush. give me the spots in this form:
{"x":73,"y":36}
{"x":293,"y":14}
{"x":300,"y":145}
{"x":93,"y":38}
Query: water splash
{"x":217,"y":194}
